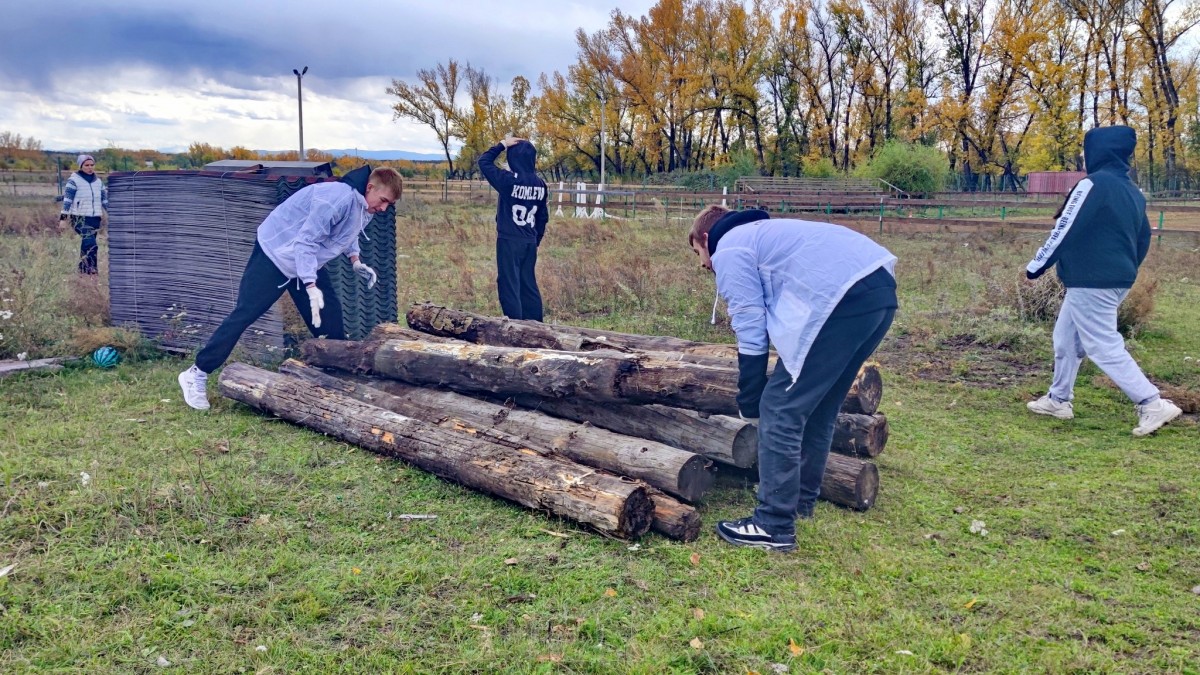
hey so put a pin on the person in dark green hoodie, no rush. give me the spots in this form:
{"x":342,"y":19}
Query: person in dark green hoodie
{"x":521,"y":217}
{"x":1099,"y":241}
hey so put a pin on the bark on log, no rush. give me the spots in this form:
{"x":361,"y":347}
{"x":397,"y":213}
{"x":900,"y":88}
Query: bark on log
{"x":673,"y":518}
{"x":863,"y":399}
{"x":602,"y":376}
{"x":446,"y":322}
{"x":860,"y":435}
{"x":721,"y":438}
{"x":491,"y":462}
{"x":684,"y":474}
{"x":848,"y":481}
{"x":866,"y":392}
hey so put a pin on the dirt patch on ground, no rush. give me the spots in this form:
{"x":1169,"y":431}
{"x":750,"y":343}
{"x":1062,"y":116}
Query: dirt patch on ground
{"x":959,"y":359}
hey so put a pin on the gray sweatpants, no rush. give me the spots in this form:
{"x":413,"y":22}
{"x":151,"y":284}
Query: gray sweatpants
{"x":1087,"y":326}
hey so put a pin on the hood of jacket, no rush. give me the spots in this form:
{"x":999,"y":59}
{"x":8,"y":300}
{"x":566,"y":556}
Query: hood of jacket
{"x":522,"y":159}
{"x":358,"y":179}
{"x":731,"y":220}
{"x":1109,"y":149}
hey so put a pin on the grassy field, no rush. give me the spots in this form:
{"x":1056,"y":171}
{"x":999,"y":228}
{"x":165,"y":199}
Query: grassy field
{"x":144,"y":536}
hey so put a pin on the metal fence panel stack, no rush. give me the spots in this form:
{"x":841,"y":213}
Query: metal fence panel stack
{"x":179,"y":241}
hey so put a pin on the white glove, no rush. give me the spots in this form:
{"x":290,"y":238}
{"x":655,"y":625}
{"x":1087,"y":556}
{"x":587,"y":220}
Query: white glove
{"x":316,"y":301}
{"x":363,"y":270}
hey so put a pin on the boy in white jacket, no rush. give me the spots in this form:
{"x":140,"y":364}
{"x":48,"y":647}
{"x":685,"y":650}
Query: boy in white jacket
{"x":310,"y":228}
{"x":824,"y":296}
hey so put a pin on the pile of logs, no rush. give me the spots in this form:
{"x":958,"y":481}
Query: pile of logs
{"x":615,"y":431}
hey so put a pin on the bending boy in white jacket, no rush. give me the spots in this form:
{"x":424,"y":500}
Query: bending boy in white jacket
{"x":824,"y":296}
{"x":310,"y":228}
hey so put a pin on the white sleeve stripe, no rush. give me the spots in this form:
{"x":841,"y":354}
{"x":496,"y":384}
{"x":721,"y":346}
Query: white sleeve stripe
{"x":1078,"y":195}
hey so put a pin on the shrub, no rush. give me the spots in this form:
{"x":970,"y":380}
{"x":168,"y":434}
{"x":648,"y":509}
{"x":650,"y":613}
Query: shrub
{"x":1135,"y":311}
{"x":821,"y":168}
{"x":1030,"y":302}
{"x":912,"y":168}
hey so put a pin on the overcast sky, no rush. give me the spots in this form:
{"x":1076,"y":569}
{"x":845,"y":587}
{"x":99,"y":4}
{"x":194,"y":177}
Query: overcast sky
{"x":162,"y":74}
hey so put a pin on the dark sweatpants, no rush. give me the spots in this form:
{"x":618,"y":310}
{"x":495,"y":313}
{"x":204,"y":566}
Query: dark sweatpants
{"x":797,"y":420}
{"x":87,"y":227}
{"x":262,"y":285}
{"x":516,"y":279}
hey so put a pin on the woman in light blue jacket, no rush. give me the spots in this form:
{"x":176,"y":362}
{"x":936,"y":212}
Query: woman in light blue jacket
{"x":824,"y":296}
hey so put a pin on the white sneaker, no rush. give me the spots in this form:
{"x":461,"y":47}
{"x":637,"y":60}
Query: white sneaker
{"x":1153,"y":415}
{"x":1048,"y":406}
{"x":194,"y":383}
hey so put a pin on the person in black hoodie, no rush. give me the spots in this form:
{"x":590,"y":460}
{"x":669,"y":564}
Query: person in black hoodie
{"x":1099,"y":241}
{"x":521,"y":216}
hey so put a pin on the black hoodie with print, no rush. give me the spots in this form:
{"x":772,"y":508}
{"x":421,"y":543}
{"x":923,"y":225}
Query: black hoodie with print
{"x":521,"y":213}
{"x":1102,"y":234}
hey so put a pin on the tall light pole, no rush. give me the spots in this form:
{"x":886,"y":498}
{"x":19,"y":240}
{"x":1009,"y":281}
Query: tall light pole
{"x":300,"y":105}
{"x":602,"y":97}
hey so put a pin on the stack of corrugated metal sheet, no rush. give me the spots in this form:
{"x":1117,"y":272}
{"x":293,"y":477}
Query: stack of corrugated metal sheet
{"x":179,"y":241}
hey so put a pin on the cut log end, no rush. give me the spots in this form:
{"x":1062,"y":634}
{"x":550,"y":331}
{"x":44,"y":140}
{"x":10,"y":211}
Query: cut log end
{"x":745,"y":447}
{"x":867,"y":488}
{"x":695,"y":478}
{"x":866,"y":392}
{"x":638,"y":514}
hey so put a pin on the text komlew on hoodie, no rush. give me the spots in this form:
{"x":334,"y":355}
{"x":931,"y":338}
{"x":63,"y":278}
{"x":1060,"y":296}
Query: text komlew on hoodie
{"x":521,"y":211}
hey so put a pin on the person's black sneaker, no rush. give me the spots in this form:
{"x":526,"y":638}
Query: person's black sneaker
{"x":745,"y":533}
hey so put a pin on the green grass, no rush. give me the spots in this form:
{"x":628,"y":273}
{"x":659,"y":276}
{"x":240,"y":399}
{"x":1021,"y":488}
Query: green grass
{"x":202,"y":538}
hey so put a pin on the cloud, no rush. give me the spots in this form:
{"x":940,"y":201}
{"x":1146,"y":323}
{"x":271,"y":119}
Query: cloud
{"x":164,"y":74}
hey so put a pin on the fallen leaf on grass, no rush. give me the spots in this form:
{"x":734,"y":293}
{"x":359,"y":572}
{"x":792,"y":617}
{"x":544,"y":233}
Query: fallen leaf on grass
{"x":970,"y":603}
{"x":610,"y":592}
{"x":355,"y":570}
{"x":551,"y":658}
{"x":1143,"y":567}
{"x":695,"y":559}
{"x":698,"y":613}
{"x":552,"y":533}
{"x":510,"y":561}
{"x":965,"y":639}
{"x":904,"y":652}
{"x":696,"y":643}
{"x":260,"y":648}
{"x":5,"y":570}
{"x":1195,"y":589}
{"x":794,"y":648}
{"x":162,"y":661}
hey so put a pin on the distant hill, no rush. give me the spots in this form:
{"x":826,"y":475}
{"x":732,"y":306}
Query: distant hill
{"x":388,"y":154}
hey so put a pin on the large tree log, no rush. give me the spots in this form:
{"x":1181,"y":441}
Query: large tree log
{"x":606,"y":377}
{"x":860,"y":435}
{"x":864,"y":397}
{"x":673,"y":518}
{"x":848,"y":481}
{"x":492,"y":462}
{"x":684,"y":474}
{"x":866,"y":392}
{"x":500,"y":331}
{"x":721,"y":438}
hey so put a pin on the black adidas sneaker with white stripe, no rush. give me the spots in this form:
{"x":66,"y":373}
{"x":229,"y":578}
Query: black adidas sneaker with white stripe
{"x":745,"y":533}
